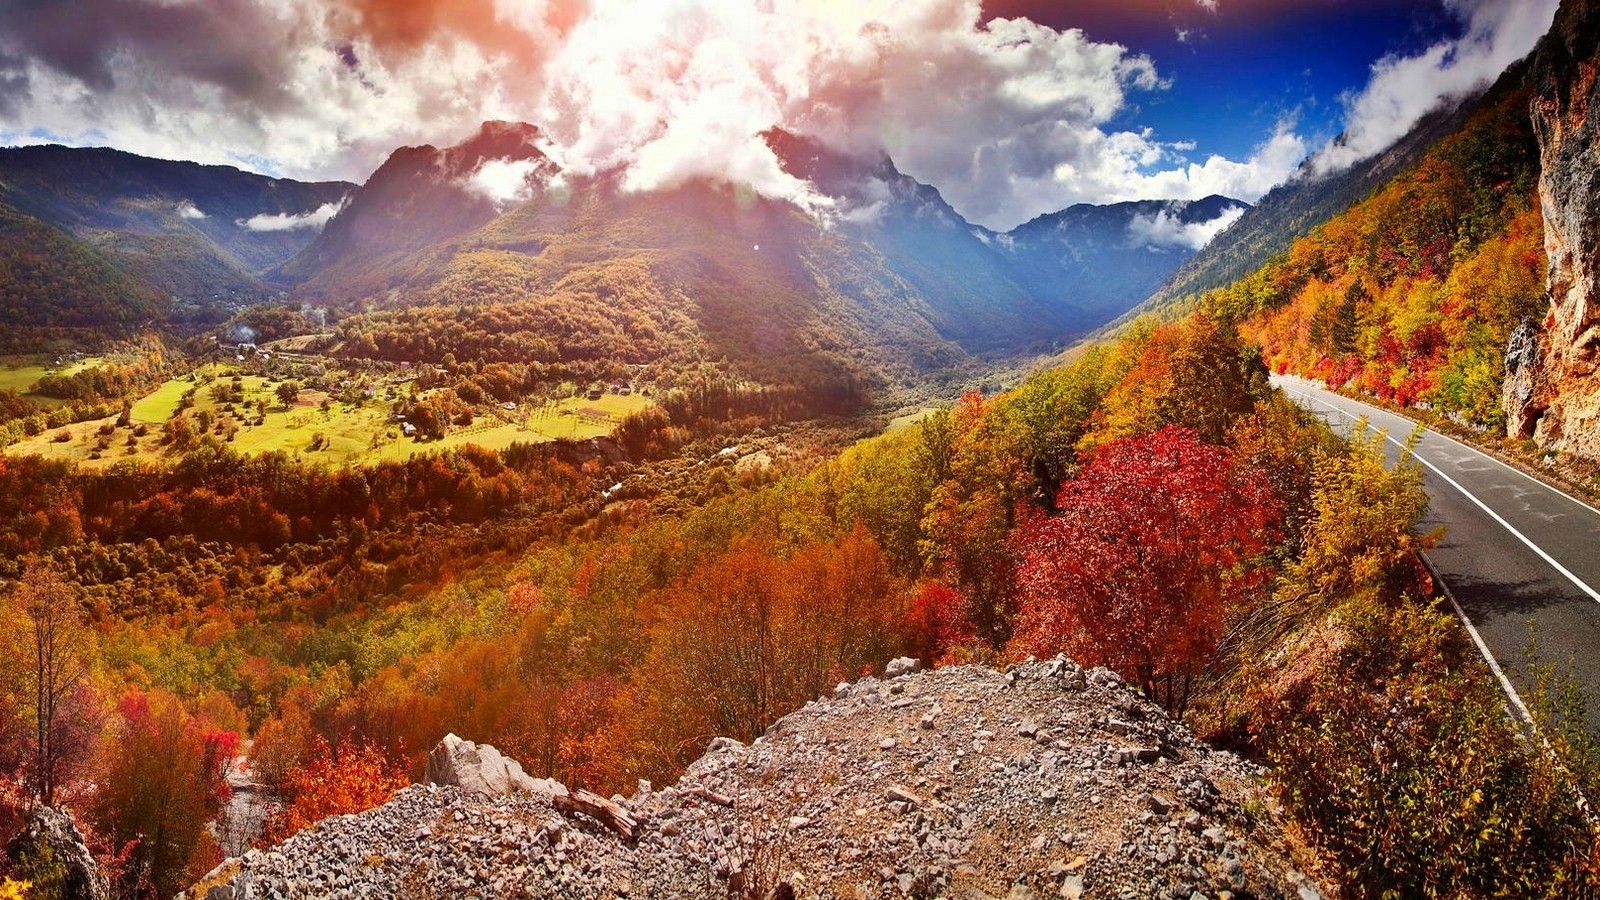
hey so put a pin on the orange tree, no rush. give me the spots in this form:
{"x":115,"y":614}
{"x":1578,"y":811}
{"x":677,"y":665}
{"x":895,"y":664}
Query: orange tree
{"x":347,"y":777}
{"x":1156,"y":542}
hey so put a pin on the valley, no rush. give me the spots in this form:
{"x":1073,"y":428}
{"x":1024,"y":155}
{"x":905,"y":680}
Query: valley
{"x":664,"y":456}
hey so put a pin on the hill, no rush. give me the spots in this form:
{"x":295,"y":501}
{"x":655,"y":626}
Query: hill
{"x":963,"y":781}
{"x":485,"y":250}
{"x":195,"y":236}
{"x":1293,"y":209}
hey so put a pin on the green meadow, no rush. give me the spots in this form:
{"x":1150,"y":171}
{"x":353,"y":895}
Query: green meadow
{"x":316,"y":427}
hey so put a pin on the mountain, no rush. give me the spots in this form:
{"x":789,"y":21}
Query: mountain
{"x":1104,"y":258}
{"x":486,"y":250}
{"x":1292,"y":209}
{"x":178,"y":231}
{"x":418,"y":197}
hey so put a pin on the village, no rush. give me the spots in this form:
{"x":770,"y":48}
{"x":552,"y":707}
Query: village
{"x":280,"y":397}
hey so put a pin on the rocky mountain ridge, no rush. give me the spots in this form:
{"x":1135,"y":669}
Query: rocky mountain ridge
{"x":1043,"y":780}
{"x":1552,"y":392}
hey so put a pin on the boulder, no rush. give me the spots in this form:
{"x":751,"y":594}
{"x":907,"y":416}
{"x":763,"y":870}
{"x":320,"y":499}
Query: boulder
{"x":904,"y":665}
{"x":52,"y":838}
{"x":484,"y":770}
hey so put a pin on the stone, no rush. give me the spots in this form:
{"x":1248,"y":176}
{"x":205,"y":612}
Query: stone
{"x":52,"y":832}
{"x":904,"y":665}
{"x":482,"y":769}
{"x":1551,"y":391}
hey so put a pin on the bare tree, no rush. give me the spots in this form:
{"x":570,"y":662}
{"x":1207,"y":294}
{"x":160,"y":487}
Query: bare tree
{"x":57,"y":668}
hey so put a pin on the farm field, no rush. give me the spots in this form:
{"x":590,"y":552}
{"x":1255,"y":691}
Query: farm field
{"x":19,"y":373}
{"x":316,"y":427}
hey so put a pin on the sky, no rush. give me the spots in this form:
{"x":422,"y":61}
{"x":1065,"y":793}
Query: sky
{"x":1011,"y":108}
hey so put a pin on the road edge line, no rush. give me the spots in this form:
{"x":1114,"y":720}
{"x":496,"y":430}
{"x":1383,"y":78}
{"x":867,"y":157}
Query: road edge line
{"x":1567,"y":573}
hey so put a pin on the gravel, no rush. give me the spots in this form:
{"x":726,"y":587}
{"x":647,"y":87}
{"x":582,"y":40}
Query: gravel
{"x":1045,"y":780}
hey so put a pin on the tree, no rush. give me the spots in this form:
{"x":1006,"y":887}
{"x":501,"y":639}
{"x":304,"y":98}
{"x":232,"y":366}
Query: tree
{"x":347,"y":777}
{"x":163,"y":782}
{"x":57,"y":652}
{"x":288,"y":392}
{"x":1156,"y":544}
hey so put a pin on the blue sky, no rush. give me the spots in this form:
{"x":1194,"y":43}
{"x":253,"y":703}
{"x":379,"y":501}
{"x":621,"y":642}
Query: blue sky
{"x":1240,"y":69}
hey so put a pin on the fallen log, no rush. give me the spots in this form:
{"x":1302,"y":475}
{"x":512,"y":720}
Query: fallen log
{"x":601,"y":810}
{"x":708,"y":795}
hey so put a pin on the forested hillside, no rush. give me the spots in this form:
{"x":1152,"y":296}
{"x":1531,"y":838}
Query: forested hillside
{"x":1295,"y":208}
{"x":119,"y":241}
{"x":47,"y":279}
{"x":1411,"y":295}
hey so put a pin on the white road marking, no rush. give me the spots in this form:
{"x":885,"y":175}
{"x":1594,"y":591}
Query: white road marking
{"x":1519,"y":708}
{"x":1578,"y":582}
{"x":1476,"y":453}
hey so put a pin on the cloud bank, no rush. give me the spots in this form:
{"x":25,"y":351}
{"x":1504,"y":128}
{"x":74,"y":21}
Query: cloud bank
{"x":1008,"y":118}
{"x":504,"y":182}
{"x":1402,"y":90}
{"x":1164,"y":229}
{"x":316,"y":218}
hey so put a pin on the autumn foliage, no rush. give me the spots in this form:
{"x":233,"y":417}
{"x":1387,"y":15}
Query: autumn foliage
{"x":347,"y":777}
{"x":1153,"y":547}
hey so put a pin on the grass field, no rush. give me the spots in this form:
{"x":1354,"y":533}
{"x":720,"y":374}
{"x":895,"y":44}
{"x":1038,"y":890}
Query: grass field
{"x":908,"y":419}
{"x":19,"y":373}
{"x":344,"y":434}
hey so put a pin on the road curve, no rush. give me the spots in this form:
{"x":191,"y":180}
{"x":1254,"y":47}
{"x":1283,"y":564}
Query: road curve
{"x":1515,"y":550}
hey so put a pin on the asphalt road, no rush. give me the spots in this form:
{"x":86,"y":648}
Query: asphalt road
{"x":1515,"y":550}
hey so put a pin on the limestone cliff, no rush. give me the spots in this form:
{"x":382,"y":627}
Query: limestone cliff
{"x":1552,"y":389}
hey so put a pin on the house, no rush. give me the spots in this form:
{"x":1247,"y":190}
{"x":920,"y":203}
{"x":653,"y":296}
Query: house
{"x":408,"y":429}
{"x":508,"y":406}
{"x":596,"y":393}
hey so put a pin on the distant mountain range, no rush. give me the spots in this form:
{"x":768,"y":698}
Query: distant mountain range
{"x":98,"y":238}
{"x":895,"y":280}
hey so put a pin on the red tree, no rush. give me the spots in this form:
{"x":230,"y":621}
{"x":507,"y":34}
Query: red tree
{"x":1156,"y":542}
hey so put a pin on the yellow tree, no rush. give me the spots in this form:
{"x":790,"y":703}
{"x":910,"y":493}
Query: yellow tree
{"x":56,"y":652}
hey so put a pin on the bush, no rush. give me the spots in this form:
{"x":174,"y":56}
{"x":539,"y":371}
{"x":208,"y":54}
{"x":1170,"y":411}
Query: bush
{"x":1395,"y":753}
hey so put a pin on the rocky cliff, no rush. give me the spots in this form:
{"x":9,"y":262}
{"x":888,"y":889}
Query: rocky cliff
{"x":1552,"y":388}
{"x":1046,"y":780}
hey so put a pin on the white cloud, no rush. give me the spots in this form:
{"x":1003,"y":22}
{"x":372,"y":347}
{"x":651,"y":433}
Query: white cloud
{"x":1166,"y":229}
{"x":1007,"y":118}
{"x":1404,"y":89}
{"x":316,"y":218}
{"x":505,"y":182}
{"x":189,"y":211}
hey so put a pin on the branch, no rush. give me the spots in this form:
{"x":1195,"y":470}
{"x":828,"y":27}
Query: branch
{"x":601,"y":810}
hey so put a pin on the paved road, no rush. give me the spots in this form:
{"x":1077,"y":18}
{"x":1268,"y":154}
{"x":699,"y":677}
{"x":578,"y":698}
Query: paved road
{"x":1515,"y":550}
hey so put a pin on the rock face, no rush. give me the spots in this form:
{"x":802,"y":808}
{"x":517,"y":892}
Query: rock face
{"x":1043,"y":781}
{"x":1553,"y":395}
{"x":52,"y":834}
{"x":480,"y":768}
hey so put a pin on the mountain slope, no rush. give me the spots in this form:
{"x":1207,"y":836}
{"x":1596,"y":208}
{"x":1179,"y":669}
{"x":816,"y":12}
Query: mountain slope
{"x":1292,"y":209}
{"x":48,"y":279}
{"x":485,"y":250}
{"x":1411,"y":295}
{"x":201,"y":235}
